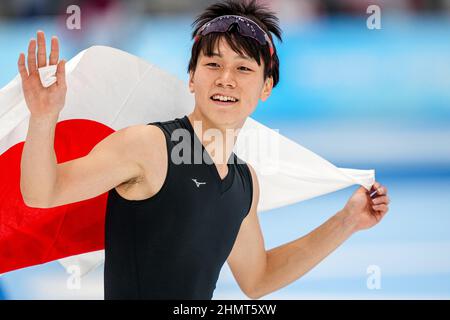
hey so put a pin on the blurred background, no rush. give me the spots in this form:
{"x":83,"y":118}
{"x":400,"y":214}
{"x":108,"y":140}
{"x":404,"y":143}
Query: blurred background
{"x":361,"y":98}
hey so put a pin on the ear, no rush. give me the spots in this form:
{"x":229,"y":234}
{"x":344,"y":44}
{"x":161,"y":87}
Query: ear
{"x":191,"y":82}
{"x":267,"y":89}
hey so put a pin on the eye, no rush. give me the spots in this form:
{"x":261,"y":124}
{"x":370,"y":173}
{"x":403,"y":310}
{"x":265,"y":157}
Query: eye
{"x":246,"y":69}
{"x":208,"y":64}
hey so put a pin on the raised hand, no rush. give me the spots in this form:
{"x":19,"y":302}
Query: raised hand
{"x":42,"y":101}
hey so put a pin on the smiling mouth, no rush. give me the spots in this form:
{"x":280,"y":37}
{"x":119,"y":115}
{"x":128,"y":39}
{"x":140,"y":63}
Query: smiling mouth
{"x":223,"y":103}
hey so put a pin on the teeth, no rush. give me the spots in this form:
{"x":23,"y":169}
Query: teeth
{"x":224,"y":98}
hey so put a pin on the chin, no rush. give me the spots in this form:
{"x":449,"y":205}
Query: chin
{"x":225,"y":115}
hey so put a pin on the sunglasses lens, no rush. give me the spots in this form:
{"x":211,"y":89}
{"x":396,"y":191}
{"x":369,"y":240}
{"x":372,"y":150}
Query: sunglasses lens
{"x":245,"y":27}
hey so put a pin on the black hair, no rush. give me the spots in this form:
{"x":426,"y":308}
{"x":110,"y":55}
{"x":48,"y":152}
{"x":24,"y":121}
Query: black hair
{"x":260,"y":14}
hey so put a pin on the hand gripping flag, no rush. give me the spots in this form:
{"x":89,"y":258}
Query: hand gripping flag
{"x":109,"y":89}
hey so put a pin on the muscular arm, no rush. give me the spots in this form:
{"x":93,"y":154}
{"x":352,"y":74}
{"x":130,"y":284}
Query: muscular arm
{"x":290,"y":261}
{"x":259,"y":271}
{"x":116,"y":159}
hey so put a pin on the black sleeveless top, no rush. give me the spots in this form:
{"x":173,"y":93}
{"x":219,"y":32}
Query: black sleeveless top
{"x":174,"y":244}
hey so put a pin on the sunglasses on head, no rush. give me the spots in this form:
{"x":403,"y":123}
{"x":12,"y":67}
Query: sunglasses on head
{"x":245,"y":27}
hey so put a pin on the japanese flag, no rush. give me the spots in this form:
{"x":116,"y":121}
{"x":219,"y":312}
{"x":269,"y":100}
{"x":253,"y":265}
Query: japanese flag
{"x":109,"y":89}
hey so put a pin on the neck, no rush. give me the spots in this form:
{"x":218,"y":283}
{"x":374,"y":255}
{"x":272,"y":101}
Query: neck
{"x":218,"y":139}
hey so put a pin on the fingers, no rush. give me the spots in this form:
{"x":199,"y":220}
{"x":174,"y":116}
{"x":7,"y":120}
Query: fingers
{"x":379,"y":215}
{"x":61,"y":73}
{"x":41,"y":54}
{"x":54,"y":53}
{"x":380,"y":190}
{"x":380,"y":208}
{"x":21,"y":65}
{"x":381,"y":200}
{"x":31,"y":59}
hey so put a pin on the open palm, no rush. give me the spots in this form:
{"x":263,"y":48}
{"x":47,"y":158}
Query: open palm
{"x":42,"y":101}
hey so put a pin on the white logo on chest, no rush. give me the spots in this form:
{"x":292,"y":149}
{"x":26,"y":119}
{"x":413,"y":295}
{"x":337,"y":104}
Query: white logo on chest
{"x":198,"y":183}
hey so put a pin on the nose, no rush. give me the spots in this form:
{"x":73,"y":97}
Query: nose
{"x":226,"y":79}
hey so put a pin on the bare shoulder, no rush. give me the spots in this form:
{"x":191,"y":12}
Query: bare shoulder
{"x":141,"y":140}
{"x":150,"y":151}
{"x":152,"y":140}
{"x":255,"y":184}
{"x":255,"y":180}
{"x":143,"y":133}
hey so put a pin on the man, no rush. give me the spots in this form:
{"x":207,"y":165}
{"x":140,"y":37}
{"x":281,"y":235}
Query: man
{"x":171,"y":224}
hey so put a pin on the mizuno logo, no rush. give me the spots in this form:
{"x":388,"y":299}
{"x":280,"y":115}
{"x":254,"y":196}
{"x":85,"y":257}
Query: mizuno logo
{"x":198,"y":183}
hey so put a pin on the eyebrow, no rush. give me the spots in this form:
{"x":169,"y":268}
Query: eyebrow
{"x":215,"y":54}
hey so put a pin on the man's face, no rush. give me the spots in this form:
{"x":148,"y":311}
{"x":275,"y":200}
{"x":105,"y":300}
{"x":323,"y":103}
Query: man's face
{"x":229,"y":75}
